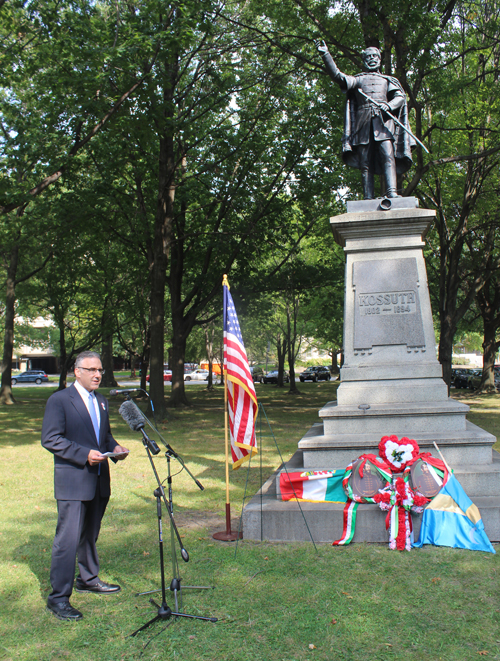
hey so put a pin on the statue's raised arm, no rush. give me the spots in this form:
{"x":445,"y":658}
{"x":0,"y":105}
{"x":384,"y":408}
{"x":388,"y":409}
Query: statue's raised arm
{"x":331,"y":67}
{"x":377,"y":138}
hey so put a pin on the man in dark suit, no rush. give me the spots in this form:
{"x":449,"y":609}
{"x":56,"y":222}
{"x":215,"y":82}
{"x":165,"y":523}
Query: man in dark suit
{"x":76,"y":430}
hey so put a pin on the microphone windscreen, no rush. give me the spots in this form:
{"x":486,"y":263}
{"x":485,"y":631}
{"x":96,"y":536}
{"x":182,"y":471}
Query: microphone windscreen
{"x":132,"y":416}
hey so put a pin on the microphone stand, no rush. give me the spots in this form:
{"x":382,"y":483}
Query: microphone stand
{"x":164,"y":612}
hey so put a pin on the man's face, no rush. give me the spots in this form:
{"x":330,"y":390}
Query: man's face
{"x":371,"y":59}
{"x":87,"y":375}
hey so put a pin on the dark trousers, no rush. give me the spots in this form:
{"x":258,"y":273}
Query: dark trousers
{"x":384,"y":149}
{"x":78,"y":526}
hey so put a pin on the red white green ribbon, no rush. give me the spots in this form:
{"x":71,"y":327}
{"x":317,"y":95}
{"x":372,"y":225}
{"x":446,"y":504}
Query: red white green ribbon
{"x":350,"y":510}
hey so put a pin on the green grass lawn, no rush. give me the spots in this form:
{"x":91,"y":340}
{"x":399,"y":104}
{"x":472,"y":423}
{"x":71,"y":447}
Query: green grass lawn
{"x":275,"y":602}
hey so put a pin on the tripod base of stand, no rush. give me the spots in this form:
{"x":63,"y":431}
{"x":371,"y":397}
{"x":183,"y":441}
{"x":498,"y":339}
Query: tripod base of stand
{"x":165,"y":613}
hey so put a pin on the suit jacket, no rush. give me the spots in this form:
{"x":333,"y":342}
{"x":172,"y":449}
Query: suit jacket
{"x":68,"y":433}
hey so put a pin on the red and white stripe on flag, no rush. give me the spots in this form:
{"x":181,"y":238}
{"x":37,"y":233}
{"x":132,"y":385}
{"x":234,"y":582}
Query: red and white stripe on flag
{"x":242,"y":400}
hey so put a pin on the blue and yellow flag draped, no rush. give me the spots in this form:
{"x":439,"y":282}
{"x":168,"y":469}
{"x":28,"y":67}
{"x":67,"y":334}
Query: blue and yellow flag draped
{"x":452,"y":519}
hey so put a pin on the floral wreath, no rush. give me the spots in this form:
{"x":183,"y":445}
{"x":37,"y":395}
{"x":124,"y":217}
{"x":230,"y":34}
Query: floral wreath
{"x":398,"y":453}
{"x":397,"y":498}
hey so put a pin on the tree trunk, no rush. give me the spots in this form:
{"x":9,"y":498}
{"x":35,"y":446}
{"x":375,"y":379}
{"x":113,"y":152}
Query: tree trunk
{"x":156,"y":383}
{"x":281,"y":347}
{"x":334,"y":369}
{"x":490,"y":348}
{"x":145,"y":359}
{"x":445,"y":352}
{"x":209,"y":348}
{"x":178,"y":393}
{"x":488,"y":302}
{"x":292,"y":336}
{"x":6,"y":396}
{"x":64,"y":357}
{"x":108,"y":379}
{"x":163,"y":232}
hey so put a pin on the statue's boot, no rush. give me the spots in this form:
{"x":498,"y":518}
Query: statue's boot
{"x":368,"y":184}
{"x":390,"y":178}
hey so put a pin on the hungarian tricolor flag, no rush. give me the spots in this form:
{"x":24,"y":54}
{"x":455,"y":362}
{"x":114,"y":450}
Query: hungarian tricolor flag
{"x":313,"y":486}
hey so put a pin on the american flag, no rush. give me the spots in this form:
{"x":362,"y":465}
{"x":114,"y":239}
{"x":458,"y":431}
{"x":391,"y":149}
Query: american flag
{"x":242,"y":401}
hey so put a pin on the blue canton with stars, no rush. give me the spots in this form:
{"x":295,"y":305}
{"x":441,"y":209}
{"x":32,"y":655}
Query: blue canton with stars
{"x":232,"y":323}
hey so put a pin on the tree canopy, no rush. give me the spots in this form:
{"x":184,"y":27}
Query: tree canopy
{"x":147,"y":148}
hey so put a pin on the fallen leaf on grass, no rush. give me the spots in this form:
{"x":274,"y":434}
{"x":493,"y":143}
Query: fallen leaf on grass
{"x":312,"y":647}
{"x":347,"y":595}
{"x":334,"y":621}
{"x":483,"y":653}
{"x":192,"y":637}
{"x":145,"y":553}
{"x":388,"y":644}
{"x":435,"y":580}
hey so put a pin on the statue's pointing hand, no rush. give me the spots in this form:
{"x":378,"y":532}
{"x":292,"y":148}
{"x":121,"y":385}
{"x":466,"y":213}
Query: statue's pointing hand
{"x":321,"y":46}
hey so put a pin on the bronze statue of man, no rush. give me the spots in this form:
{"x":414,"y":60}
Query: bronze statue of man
{"x":373,"y":142}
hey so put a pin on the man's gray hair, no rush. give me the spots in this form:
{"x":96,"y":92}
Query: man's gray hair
{"x":364,"y":53}
{"x":86,"y":354}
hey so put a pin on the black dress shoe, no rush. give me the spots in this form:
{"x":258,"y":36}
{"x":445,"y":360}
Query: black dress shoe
{"x":99,"y":588}
{"x":64,"y":611}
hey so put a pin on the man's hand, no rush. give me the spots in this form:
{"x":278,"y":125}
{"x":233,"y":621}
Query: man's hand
{"x":321,"y":46}
{"x":95,"y":457}
{"x":123,"y":452}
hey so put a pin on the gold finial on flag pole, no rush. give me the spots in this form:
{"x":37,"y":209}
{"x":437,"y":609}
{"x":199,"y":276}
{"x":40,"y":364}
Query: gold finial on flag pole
{"x":225,"y":281}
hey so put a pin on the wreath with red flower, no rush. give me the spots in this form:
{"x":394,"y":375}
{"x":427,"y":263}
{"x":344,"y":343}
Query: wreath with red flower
{"x":399,"y":500}
{"x":398,"y":453}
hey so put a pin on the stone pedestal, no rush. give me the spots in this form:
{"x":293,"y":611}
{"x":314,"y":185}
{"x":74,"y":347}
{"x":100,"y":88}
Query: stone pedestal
{"x":391,"y":380}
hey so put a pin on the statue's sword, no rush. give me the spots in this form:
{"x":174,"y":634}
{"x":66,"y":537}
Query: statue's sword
{"x":381,"y":107}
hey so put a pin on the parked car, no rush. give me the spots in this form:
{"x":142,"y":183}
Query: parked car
{"x":201,"y":375}
{"x":462,"y":376}
{"x":272,"y":377}
{"x":257,"y":374}
{"x":476,"y":378}
{"x":30,"y":376}
{"x":315,"y":373}
{"x":167,"y":376}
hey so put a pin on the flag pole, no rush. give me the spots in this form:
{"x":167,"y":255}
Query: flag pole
{"x":228,"y":535}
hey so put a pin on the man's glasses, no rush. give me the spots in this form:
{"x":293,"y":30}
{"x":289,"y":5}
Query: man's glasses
{"x":92,"y":370}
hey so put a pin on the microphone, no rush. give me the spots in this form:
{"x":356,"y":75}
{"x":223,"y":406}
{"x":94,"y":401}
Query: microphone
{"x":135,"y":420}
{"x":123,"y":391}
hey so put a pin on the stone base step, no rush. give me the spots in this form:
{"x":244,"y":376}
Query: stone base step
{"x":400,"y":417}
{"x":471,"y":446}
